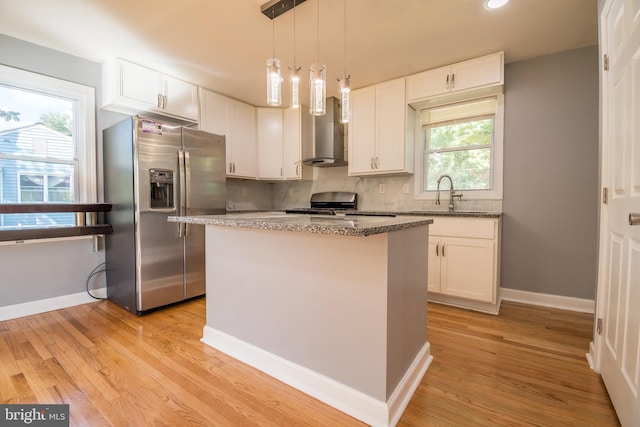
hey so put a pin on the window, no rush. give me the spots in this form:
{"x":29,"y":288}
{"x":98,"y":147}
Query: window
{"x":464,"y":141}
{"x":47,"y":144}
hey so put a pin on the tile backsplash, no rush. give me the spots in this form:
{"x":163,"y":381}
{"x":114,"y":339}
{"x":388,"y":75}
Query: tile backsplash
{"x":379,"y":193}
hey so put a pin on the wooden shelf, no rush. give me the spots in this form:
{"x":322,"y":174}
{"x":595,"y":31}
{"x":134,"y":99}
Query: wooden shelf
{"x":53,"y":232}
{"x":49,"y":232}
{"x":15,"y":208}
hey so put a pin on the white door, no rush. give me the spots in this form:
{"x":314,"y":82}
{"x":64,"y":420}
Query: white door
{"x":617,"y":348}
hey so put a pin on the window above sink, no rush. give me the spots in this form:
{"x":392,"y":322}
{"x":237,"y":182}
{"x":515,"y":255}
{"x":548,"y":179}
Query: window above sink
{"x":463,"y":140}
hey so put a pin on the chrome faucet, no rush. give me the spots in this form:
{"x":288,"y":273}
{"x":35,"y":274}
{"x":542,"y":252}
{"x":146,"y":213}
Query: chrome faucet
{"x":452,"y":193}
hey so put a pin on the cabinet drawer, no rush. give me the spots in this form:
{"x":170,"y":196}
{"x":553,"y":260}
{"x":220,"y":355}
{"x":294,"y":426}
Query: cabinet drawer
{"x":478,"y":228}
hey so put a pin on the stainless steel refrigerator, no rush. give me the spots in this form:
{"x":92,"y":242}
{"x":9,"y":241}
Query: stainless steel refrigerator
{"x":153,"y":170}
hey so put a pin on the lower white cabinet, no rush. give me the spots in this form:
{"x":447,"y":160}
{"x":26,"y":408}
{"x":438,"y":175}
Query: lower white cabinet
{"x":464,"y":258}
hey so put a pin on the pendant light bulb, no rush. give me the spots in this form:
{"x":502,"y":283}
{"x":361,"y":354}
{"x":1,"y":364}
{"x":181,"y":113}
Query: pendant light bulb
{"x":274,"y":82}
{"x":318,"y":89}
{"x":294,"y":77}
{"x":345,"y":90}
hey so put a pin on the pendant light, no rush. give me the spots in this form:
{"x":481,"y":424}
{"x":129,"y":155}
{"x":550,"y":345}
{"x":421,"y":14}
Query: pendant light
{"x":317,"y":80}
{"x":345,"y":83}
{"x":274,"y":77}
{"x":294,"y":73}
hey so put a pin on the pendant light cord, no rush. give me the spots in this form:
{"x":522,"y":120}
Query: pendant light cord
{"x":294,"y":35}
{"x":344,"y":61}
{"x":273,"y":34}
{"x":318,"y":35}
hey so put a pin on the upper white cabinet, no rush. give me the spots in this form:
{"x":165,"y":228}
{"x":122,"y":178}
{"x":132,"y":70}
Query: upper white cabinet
{"x":475,"y":73}
{"x":270,"y":143}
{"x":237,"y":122}
{"x":131,"y":88}
{"x":280,"y":143}
{"x":380,"y":130}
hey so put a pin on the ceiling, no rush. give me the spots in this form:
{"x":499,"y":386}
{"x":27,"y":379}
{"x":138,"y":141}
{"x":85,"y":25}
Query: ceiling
{"x":224,"y":45}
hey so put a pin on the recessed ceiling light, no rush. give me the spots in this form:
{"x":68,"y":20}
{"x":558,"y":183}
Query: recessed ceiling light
{"x":495,"y":4}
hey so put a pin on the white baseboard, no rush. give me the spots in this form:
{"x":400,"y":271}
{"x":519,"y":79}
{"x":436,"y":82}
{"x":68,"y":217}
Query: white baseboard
{"x":547,"y":300}
{"x":49,"y":304}
{"x":340,"y":396}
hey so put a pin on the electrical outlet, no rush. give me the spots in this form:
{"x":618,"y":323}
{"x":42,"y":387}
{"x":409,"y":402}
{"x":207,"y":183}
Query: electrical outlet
{"x":244,"y":191}
{"x":405,"y":188}
{"x":381,"y":188}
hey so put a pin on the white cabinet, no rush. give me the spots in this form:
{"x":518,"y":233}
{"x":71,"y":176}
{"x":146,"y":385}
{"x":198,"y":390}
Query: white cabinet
{"x":280,"y":143}
{"x":463,"y":76}
{"x":237,"y":122}
{"x":464,"y":258}
{"x":131,"y":88}
{"x":380,"y":130}
{"x":270,"y":143}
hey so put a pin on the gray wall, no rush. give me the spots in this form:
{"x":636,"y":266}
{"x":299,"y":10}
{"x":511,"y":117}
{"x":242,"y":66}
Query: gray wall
{"x":551,"y":174}
{"x":36,"y":271}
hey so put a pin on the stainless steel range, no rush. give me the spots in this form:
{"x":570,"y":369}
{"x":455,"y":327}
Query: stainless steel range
{"x":334,"y":203}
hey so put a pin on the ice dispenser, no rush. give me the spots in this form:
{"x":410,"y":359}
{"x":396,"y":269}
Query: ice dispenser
{"x":161,"y":183}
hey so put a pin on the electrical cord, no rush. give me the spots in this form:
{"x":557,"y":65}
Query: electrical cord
{"x":95,"y":271}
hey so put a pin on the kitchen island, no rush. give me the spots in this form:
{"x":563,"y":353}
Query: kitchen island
{"x":333,"y":306}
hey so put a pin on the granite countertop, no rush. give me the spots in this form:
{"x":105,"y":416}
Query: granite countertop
{"x":468,"y":214}
{"x":359,"y":226}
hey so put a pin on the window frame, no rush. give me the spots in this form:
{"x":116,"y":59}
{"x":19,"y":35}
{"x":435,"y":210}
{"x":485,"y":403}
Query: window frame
{"x":496,"y":191}
{"x":84,"y":131}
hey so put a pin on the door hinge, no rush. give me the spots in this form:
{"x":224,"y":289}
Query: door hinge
{"x":606,"y":62}
{"x":599,"y":326}
{"x":605,"y":195}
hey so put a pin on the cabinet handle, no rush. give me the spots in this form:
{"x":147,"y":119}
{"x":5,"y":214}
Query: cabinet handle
{"x":453,"y":80}
{"x":297,"y":170}
{"x":159,"y":100}
{"x":447,"y":83}
{"x":371,"y":163}
{"x":234,"y":167}
{"x":377,"y":163}
{"x":280,"y":171}
{"x":437,"y":249}
{"x":443,"y":249}
{"x":164,"y":102}
{"x":230,"y":167}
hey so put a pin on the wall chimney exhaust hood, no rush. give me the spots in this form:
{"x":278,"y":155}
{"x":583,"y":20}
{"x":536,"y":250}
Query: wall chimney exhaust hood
{"x":327,"y":134}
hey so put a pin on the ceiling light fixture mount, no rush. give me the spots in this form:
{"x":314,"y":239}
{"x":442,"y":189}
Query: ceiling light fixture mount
{"x":274,"y":8}
{"x":495,"y":4}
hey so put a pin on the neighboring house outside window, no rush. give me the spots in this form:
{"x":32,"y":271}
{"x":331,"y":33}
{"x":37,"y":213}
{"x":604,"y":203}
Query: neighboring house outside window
{"x":47,"y":145}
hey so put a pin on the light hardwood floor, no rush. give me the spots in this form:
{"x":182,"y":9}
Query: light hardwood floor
{"x":524,"y":367}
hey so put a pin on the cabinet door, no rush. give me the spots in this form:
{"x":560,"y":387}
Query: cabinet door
{"x":244,"y":149}
{"x":484,"y":71}
{"x":292,"y":140}
{"x":215,"y":118}
{"x":214,"y":113}
{"x":362,"y":131}
{"x":427,"y":84}
{"x":390,"y":125}
{"x":140,"y":85}
{"x":270,"y":143}
{"x":181,"y":98}
{"x":468,"y":268}
{"x":433,"y":280}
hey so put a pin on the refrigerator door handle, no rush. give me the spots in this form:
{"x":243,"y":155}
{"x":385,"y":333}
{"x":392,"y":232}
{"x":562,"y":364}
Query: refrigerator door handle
{"x":187,"y":184}
{"x":182,"y":208}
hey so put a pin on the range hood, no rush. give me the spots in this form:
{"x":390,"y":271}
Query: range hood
{"x":326,"y":134}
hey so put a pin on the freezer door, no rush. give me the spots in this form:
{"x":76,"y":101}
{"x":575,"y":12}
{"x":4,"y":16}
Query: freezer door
{"x":206,"y":194}
{"x":160,"y":250}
